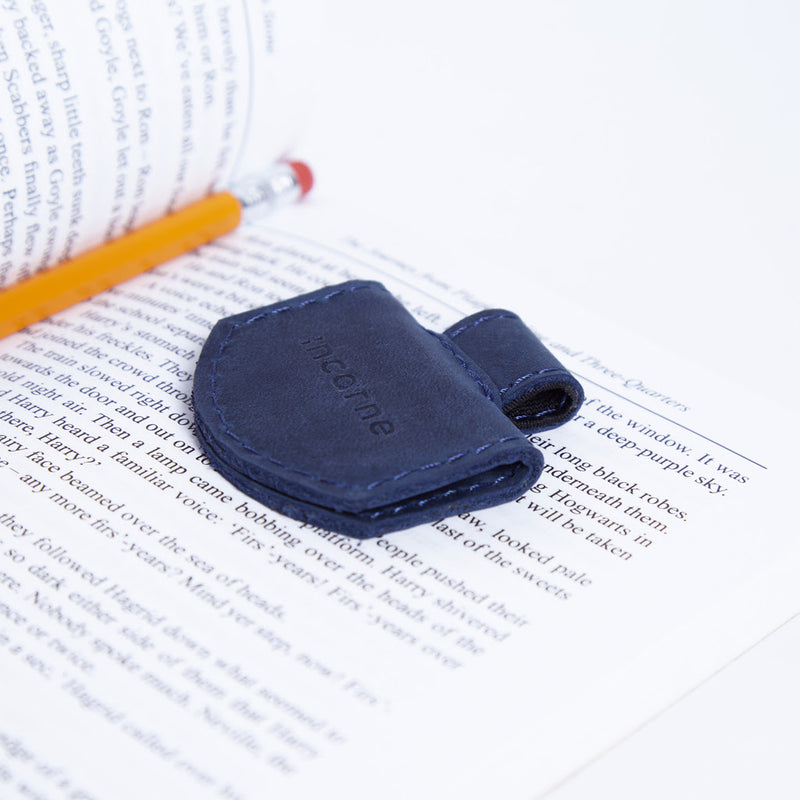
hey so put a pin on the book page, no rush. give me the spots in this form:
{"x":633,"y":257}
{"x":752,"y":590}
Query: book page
{"x":114,"y":113}
{"x":166,"y":635}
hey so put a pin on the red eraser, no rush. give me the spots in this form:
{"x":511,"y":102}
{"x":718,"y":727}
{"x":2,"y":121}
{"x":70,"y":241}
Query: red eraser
{"x":304,"y":176}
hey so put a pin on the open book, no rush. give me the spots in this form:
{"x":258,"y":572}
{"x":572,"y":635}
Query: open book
{"x":114,"y":115}
{"x":162,"y":635}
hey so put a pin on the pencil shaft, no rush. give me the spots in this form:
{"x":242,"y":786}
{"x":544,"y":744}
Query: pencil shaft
{"x":81,"y":277}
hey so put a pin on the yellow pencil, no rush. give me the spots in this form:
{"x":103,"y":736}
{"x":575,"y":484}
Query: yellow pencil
{"x":97,"y":269}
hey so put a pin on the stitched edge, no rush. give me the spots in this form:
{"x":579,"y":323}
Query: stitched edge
{"x":543,"y":413}
{"x":320,"y":513}
{"x":486,"y":318}
{"x":384,"y":513}
{"x":529,"y":375}
{"x":206,"y":436}
{"x":290,"y":306}
{"x":435,"y":464}
{"x":467,"y":368}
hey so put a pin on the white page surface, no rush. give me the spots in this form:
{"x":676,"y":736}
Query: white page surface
{"x":173,"y":624}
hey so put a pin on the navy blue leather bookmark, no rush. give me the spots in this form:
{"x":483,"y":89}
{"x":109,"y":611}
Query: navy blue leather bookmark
{"x":339,"y":409}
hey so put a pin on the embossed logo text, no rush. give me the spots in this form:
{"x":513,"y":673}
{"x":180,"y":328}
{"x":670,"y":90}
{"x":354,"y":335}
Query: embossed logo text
{"x":348,"y":385}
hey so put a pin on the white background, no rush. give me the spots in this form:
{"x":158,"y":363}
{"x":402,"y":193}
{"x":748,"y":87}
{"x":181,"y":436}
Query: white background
{"x":638,"y":159}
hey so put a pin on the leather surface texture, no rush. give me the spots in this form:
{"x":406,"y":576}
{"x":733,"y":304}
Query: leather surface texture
{"x":536,"y":391}
{"x":339,"y":409}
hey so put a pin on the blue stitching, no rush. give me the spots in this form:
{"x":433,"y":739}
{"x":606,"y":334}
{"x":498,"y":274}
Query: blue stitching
{"x":419,"y":503}
{"x":435,"y":464}
{"x":489,"y":318}
{"x":476,"y":322}
{"x":471,"y":372}
{"x":542,"y":413}
{"x":289,"y":306}
{"x":529,"y":375}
